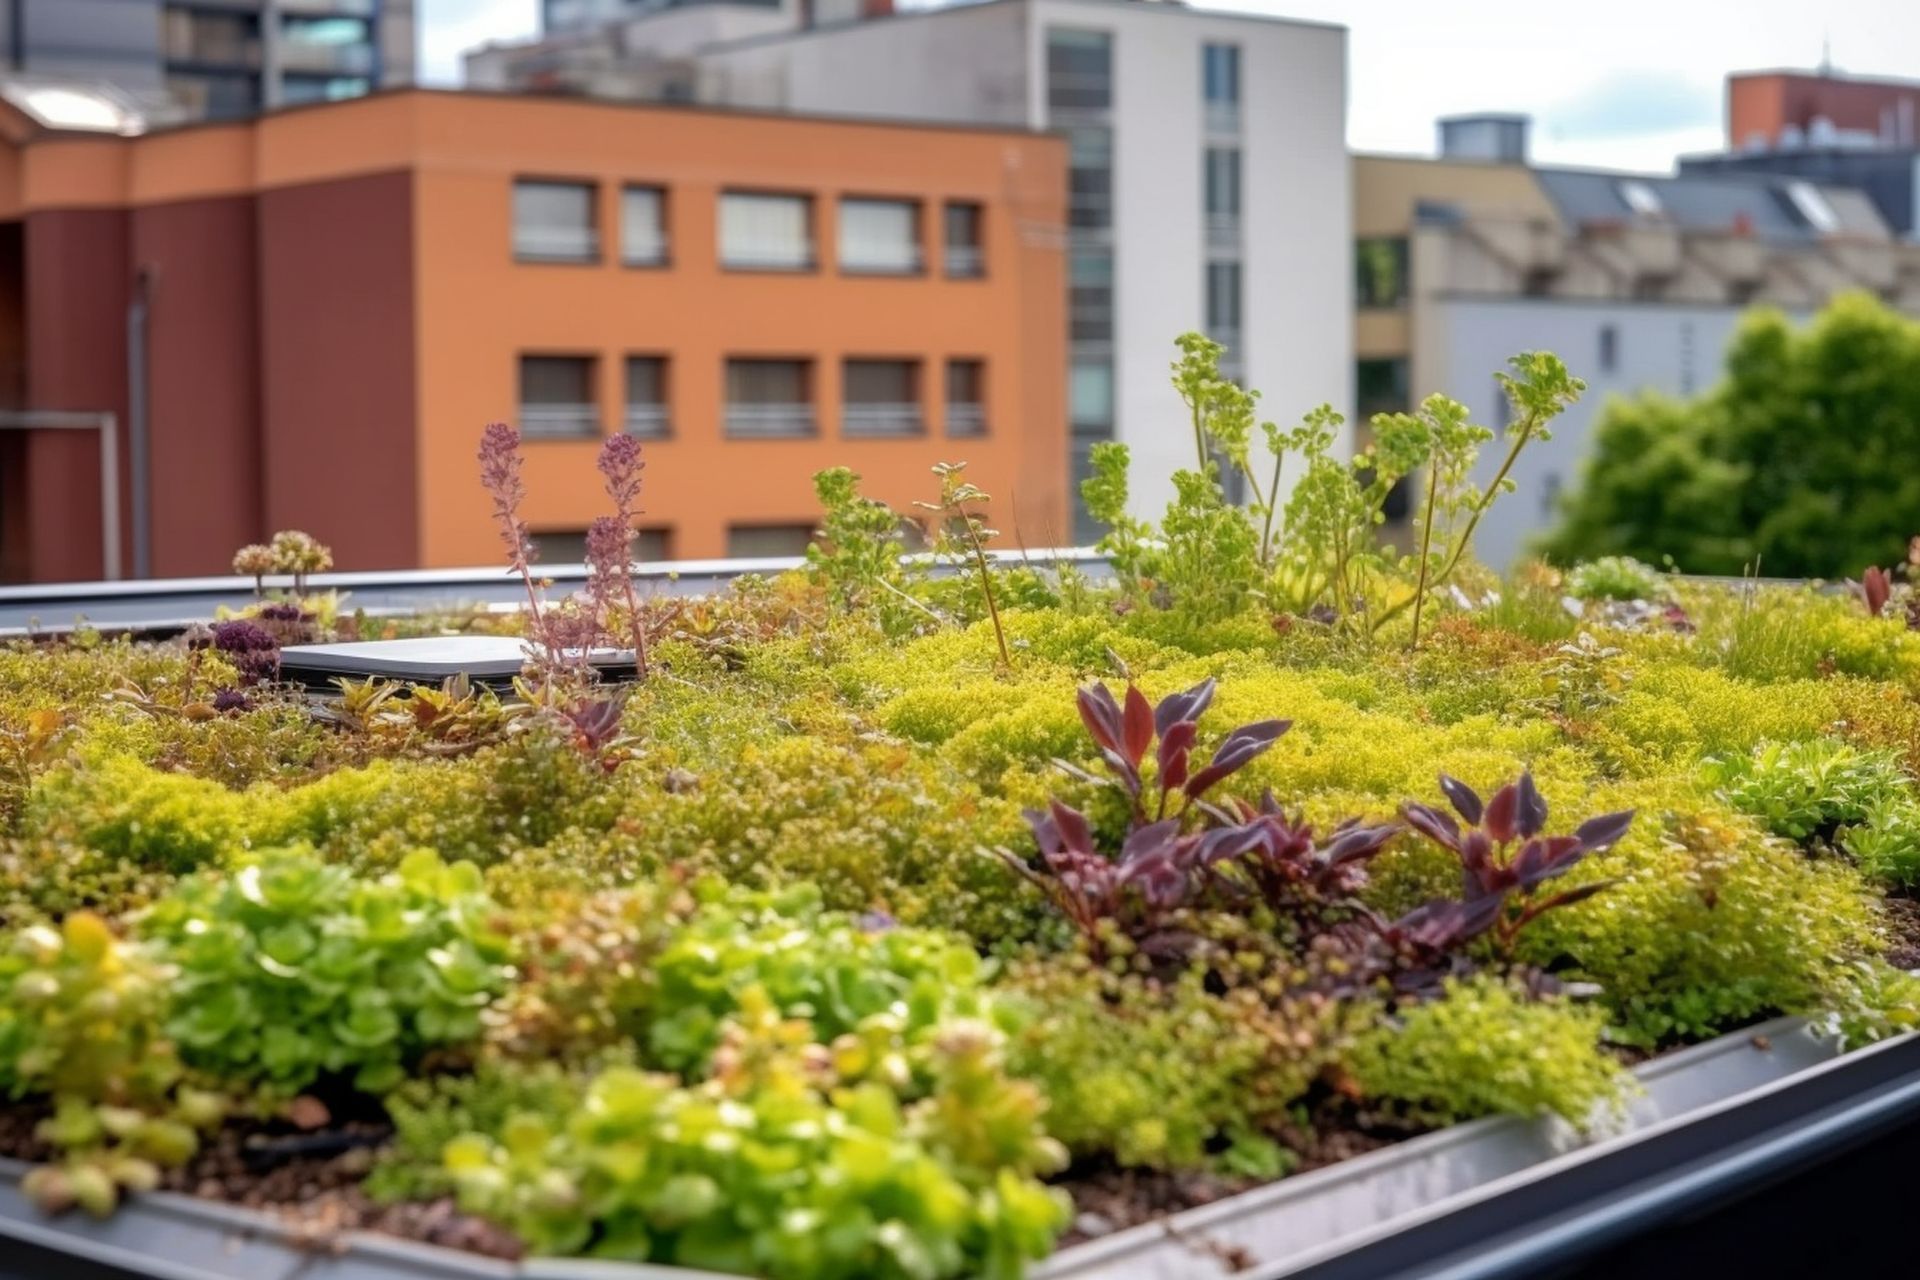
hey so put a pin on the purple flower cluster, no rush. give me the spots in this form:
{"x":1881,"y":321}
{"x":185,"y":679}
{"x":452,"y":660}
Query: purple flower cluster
{"x":251,"y":648}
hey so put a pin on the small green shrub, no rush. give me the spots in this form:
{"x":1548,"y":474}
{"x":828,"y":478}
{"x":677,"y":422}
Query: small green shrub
{"x":1616,"y":578}
{"x":1803,"y":789}
{"x":1486,"y":1049}
{"x":290,"y":968}
{"x":1886,"y":846}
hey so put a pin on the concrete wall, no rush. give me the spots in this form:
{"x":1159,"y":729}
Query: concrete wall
{"x":1675,"y":349}
{"x":987,"y":63}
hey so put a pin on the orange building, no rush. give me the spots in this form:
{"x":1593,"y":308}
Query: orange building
{"x":308,"y":318}
{"x":1772,"y":109}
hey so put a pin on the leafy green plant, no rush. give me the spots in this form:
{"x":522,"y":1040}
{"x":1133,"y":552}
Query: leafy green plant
{"x":775,"y":1167}
{"x":1616,"y":578}
{"x":1808,"y":789}
{"x":1886,"y":844}
{"x":81,"y":1025}
{"x":290,"y":968}
{"x":857,"y":555}
{"x":1487,"y":1048}
{"x":962,"y":534}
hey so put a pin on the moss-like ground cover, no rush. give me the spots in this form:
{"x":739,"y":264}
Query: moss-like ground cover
{"x":885,"y":916}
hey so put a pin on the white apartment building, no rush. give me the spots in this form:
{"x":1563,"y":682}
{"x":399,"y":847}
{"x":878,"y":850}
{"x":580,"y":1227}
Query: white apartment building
{"x":1210,"y":182}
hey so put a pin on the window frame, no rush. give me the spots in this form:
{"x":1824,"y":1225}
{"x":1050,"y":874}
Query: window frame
{"x":732,"y":429}
{"x":978,"y":248}
{"x":596,"y":239}
{"x":591,"y":427}
{"x":665,"y":206}
{"x":809,"y":201}
{"x":916,"y":240}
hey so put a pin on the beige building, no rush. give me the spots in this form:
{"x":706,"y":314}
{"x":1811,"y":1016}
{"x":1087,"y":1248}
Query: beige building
{"x":1637,"y":281}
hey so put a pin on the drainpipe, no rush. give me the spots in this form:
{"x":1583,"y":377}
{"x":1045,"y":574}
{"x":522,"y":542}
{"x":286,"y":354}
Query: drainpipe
{"x":138,"y":458}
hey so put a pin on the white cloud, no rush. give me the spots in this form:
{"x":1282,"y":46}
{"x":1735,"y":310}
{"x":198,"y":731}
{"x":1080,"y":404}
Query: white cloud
{"x":448,"y":28}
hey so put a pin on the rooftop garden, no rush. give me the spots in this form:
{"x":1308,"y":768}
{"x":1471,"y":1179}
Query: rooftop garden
{"x":910,"y":918}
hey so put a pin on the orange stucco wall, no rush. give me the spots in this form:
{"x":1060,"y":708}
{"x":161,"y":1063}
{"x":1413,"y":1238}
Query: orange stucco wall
{"x":479,"y":310}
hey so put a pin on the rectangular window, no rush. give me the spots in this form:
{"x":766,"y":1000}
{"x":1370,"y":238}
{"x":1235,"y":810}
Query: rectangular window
{"x":1380,"y":271}
{"x":1609,"y":348}
{"x":966,"y":398}
{"x":767,"y":233}
{"x":1090,"y":396}
{"x":1090,"y":178}
{"x":767,"y":541}
{"x":880,"y":398}
{"x":1380,"y":386}
{"x":1090,"y":297}
{"x":554,"y":222}
{"x":569,"y":546}
{"x":769,"y":398}
{"x":1223,"y":303}
{"x":1222,"y":180}
{"x":966,"y":250}
{"x":880,"y":236}
{"x":1086,"y":530}
{"x":643,"y":226}
{"x":557,"y":398}
{"x":1079,"y":70}
{"x":647,"y":397}
{"x":1220,"y":85}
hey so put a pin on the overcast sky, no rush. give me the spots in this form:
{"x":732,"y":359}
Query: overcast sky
{"x":1618,"y":84}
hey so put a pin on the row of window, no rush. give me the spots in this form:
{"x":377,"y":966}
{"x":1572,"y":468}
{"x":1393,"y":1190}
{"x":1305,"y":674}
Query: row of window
{"x":765,"y":398}
{"x":556,"y":221}
{"x":1080,"y":76}
{"x":654,"y":544}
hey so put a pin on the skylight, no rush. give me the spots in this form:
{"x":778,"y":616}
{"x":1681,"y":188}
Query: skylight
{"x":66,"y":108}
{"x":1813,"y":206}
{"x":1641,"y":198}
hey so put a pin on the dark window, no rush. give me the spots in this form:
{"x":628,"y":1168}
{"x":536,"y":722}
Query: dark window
{"x":1090,"y":178}
{"x":1380,"y":271}
{"x":557,"y":398}
{"x":966,"y":251}
{"x":554,"y":222}
{"x":1223,"y":182}
{"x":643,"y":226}
{"x":207,"y":40}
{"x":297,"y":89}
{"x":966,"y":398}
{"x":216,"y":96}
{"x":880,"y":398}
{"x":1223,"y":303}
{"x":569,"y":546}
{"x":1090,"y":282}
{"x":1079,"y":70}
{"x":647,"y":397}
{"x":767,"y":541}
{"x":1220,"y":70}
{"x":1609,"y":348}
{"x":769,"y":398}
{"x":1381,"y":386}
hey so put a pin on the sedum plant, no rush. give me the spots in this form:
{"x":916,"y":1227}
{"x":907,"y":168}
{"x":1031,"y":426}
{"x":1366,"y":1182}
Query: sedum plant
{"x":290,"y":969}
{"x":779,"y":1165}
{"x":1808,"y":789}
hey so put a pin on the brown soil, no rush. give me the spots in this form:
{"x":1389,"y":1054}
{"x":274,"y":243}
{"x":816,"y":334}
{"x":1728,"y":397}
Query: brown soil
{"x":1903,"y":922}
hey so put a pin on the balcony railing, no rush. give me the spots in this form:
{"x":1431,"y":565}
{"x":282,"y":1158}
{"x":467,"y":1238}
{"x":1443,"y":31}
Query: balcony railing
{"x":770,"y":421}
{"x":881,"y":418}
{"x":966,"y":261}
{"x":1223,"y":117}
{"x":644,"y":253}
{"x":766,"y":258}
{"x":559,"y":421}
{"x":648,"y":421}
{"x":1223,"y":230}
{"x":901,"y":260}
{"x":327,"y":59}
{"x":966,"y":420}
{"x":556,"y":244}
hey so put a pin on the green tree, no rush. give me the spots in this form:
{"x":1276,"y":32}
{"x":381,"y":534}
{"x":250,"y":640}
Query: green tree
{"x":1791,"y":462}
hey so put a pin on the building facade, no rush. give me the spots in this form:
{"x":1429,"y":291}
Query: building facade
{"x":214,"y":59}
{"x":336,"y":299}
{"x":1637,"y":282}
{"x":1208,"y":178}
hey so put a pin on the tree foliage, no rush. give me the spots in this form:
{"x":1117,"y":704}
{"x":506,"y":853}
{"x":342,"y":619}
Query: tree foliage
{"x":1790,"y":463}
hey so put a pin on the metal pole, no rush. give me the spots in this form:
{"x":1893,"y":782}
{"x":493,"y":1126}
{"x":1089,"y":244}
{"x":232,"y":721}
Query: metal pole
{"x":138,"y":457}
{"x":110,"y":497}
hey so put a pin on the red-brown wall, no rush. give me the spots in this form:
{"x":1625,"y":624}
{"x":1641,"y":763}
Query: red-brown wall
{"x":1762,"y":103}
{"x":337,"y":363}
{"x":203,"y":381}
{"x":77,"y":288}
